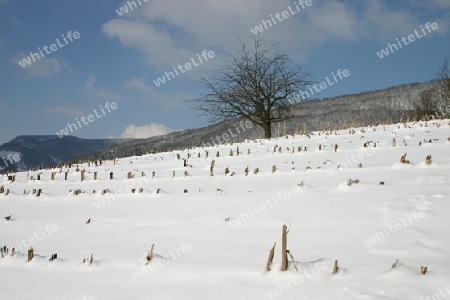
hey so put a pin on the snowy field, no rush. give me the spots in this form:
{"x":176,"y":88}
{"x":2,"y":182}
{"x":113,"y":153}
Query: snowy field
{"x":213,"y":234}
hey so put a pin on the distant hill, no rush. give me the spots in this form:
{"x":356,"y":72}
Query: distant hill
{"x":47,"y":150}
{"x":393,"y":104}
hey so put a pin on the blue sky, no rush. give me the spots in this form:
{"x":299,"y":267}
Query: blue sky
{"x":116,"y":58}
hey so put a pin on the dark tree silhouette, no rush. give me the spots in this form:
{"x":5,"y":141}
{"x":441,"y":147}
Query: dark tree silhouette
{"x":253,"y":84}
{"x":443,"y":78}
{"x":427,"y":104}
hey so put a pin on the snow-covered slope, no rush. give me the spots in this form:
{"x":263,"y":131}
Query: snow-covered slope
{"x":212,"y":234}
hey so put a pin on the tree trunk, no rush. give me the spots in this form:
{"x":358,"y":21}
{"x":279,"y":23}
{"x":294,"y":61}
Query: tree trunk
{"x":267,"y":131}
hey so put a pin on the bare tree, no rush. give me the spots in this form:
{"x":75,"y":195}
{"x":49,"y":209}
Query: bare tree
{"x":253,"y":84}
{"x":427,"y":104}
{"x":443,"y":78}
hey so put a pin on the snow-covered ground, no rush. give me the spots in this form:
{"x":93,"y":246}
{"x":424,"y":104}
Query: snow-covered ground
{"x":212,"y":234}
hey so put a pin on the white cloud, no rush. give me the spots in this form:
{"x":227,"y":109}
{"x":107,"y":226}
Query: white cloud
{"x":98,"y":92}
{"x":170,"y":32}
{"x":158,"y":47}
{"x":437,"y":11}
{"x":150,"y":93}
{"x":72,"y":112}
{"x":139,"y":85}
{"x":167,"y":33}
{"x":333,"y":20}
{"x":441,"y":3}
{"x":431,"y":4}
{"x":384,"y":23}
{"x":213,"y":22}
{"x":43,"y":67}
{"x":145,"y":131}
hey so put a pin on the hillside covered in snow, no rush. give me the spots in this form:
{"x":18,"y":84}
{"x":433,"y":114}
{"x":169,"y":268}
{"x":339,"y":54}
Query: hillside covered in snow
{"x":373,"y":198}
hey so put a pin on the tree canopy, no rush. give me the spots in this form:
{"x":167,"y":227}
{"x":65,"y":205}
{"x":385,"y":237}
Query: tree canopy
{"x":254,"y":84}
